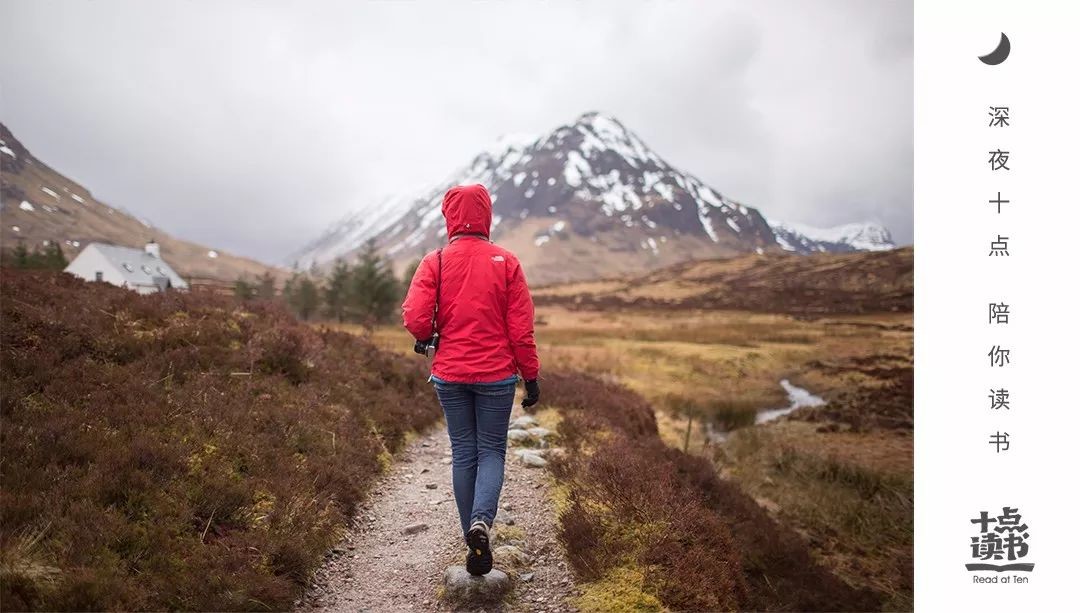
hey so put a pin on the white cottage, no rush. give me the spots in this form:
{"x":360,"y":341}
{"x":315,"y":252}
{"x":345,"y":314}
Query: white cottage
{"x":142,"y":270}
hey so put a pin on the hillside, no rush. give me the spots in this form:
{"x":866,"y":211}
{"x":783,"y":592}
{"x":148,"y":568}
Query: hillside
{"x":820,"y":283}
{"x":180,"y":451}
{"x":40,"y":205}
{"x":587,"y":200}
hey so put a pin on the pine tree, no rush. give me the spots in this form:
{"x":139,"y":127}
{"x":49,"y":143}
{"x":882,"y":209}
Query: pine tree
{"x":373,"y":288}
{"x":266,"y":289}
{"x":53,"y":258}
{"x":307,"y":299}
{"x":302,"y":295}
{"x":289,"y":289}
{"x":244,"y":290}
{"x":336,"y":292}
{"x":21,"y":256}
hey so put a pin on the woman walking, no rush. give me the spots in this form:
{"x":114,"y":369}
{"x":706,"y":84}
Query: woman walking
{"x":468,"y":303}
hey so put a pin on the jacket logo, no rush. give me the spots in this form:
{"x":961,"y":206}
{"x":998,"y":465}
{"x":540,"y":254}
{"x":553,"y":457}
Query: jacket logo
{"x":498,"y":258}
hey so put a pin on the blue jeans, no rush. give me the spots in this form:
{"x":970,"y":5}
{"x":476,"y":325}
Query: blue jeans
{"x":477,"y":416}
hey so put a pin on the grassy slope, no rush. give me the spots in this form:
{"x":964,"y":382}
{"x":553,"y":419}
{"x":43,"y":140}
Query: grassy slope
{"x":823,"y":283}
{"x":74,"y":215}
{"x":179,"y":451}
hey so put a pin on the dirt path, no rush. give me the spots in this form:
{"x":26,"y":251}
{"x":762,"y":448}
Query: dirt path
{"x":379,"y":567}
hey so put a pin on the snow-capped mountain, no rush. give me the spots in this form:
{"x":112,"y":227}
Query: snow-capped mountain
{"x":801,"y":238}
{"x":588,"y":199}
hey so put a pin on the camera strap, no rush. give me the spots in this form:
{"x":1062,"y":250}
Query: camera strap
{"x":438,"y":290}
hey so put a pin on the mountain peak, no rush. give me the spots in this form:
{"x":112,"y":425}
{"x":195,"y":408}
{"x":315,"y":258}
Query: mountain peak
{"x":866,"y":236}
{"x":593,"y":118}
{"x":588,"y":199}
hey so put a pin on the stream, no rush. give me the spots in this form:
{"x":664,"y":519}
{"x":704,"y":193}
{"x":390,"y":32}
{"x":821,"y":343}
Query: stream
{"x":797,"y":399}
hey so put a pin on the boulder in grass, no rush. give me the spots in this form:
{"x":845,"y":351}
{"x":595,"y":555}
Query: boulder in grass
{"x":539,"y":432}
{"x":523,"y":423}
{"x":532,"y":459}
{"x":516,"y":435}
{"x":464,"y":589}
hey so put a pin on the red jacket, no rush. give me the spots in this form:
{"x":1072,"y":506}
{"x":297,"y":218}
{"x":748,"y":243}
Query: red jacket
{"x":485,"y":318}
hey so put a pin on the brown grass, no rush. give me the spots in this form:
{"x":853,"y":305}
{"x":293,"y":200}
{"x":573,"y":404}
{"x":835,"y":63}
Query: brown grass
{"x":727,"y":363}
{"x":823,"y":283}
{"x":181,"y":451}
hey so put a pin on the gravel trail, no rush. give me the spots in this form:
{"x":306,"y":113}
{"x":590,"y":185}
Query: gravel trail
{"x":402,"y":540}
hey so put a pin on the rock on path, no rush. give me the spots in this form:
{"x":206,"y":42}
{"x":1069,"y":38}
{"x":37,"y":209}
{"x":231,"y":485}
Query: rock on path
{"x":406,"y":538}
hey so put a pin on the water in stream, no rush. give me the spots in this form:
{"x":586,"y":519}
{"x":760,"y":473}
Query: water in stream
{"x":797,"y":399}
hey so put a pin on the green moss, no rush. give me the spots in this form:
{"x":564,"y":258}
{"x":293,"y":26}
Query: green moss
{"x":620,"y":590}
{"x":560,"y":497}
{"x":506,"y":534}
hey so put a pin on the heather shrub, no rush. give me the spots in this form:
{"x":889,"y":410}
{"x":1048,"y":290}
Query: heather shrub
{"x":181,"y":451}
{"x":637,"y":507}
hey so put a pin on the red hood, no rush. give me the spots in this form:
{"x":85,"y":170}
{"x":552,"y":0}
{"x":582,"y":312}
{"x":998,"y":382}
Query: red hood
{"x":467,"y":209}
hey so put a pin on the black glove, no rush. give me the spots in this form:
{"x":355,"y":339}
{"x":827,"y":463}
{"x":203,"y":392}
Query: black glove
{"x":421,"y":346}
{"x":532,"y":393}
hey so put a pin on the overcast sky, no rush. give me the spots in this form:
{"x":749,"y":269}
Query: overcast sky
{"x":251,"y":126}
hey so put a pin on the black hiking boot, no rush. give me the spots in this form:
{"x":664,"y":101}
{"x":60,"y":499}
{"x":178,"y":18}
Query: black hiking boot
{"x":479,"y":560}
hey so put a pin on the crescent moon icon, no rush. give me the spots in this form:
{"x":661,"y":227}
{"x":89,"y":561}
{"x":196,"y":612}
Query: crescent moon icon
{"x":998,"y":55}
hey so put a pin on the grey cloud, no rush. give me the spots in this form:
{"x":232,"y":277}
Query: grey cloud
{"x":251,"y":126}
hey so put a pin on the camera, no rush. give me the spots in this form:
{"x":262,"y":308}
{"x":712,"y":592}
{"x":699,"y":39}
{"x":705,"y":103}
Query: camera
{"x":427,"y":347}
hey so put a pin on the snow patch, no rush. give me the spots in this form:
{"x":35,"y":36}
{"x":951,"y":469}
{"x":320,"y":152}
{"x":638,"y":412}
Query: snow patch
{"x":575,"y":169}
{"x":212,"y":254}
{"x":78,"y":198}
{"x":706,"y":222}
{"x":50,"y":192}
{"x":26,"y":206}
{"x":540,"y":240}
{"x":784,"y":244}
